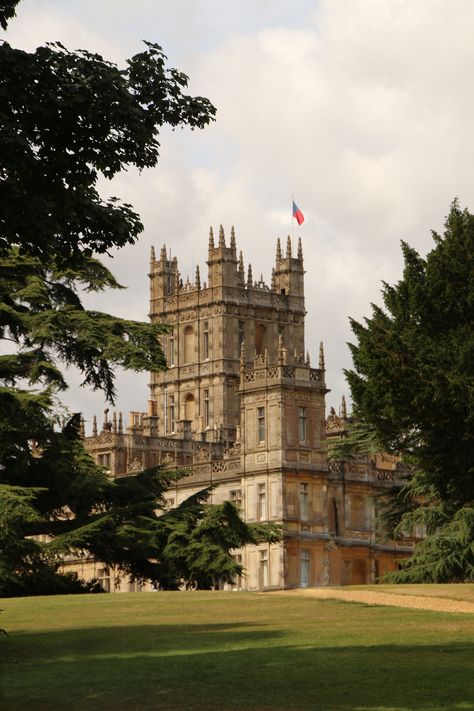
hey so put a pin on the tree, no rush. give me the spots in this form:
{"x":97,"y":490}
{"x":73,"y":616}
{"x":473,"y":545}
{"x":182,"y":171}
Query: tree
{"x":412,"y":383}
{"x":65,"y":118}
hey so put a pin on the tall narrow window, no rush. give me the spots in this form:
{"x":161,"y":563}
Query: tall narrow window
{"x":304,"y":572}
{"x":171,"y":351}
{"x":263,"y":569}
{"x":261,"y":502}
{"x":205,"y":341}
{"x":261,"y":424}
{"x":206,"y":409}
{"x":171,"y":416}
{"x":303,"y":424}
{"x":241,"y":333}
{"x":304,"y":501}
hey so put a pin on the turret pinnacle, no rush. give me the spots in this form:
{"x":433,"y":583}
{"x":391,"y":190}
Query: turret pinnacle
{"x":300,"y":249}
{"x":94,"y":426}
{"x":114,"y":422}
{"x":321,"y":356}
{"x":241,"y":262}
{"x":273,"y":279}
{"x":232,"y":240}
{"x":278,"y":252}
{"x":288,"y":247}
{"x":198,"y":278}
{"x":211,"y":238}
{"x":221,"y":237}
{"x":82,"y":428}
{"x":163,"y":253}
{"x":249,"y":276}
{"x":120,"y":423}
{"x":152,"y":255}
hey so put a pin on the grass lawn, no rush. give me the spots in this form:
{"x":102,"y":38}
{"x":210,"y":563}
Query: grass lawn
{"x":231,"y":651}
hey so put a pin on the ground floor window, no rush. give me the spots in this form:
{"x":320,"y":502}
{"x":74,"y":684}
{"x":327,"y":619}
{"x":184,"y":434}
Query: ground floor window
{"x":304,"y":568}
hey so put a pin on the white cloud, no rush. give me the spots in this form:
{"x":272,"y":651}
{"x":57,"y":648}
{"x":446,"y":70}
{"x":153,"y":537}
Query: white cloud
{"x":360,"y":108}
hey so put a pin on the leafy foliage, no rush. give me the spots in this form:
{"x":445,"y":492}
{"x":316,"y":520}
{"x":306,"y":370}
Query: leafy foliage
{"x":412,"y":383}
{"x":67,"y":118}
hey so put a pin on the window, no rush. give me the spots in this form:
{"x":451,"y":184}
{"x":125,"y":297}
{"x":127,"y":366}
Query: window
{"x":103,"y":576}
{"x":260,"y":424}
{"x":188,"y":345}
{"x":171,"y":351}
{"x":171,"y":414}
{"x":263,"y":569}
{"x":235,"y":496}
{"x":302,"y":424}
{"x":304,"y":571}
{"x":261,"y":502}
{"x":241,"y":333}
{"x":206,"y":410}
{"x":205,"y":341}
{"x":259,"y":338}
{"x":304,"y":501}
{"x":104,"y":460}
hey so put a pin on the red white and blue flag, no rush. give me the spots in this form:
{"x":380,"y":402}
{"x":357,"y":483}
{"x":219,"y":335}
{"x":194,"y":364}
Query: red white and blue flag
{"x":297,"y":214}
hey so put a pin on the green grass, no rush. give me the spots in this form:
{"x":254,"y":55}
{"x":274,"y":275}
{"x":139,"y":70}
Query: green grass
{"x":232,"y":651}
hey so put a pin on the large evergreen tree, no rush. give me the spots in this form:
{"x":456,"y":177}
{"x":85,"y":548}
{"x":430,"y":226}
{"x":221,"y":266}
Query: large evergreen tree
{"x":412,"y":383}
{"x":65,"y":119}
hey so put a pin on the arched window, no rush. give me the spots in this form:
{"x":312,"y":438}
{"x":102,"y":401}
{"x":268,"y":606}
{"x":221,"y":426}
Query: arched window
{"x":189,"y":407}
{"x":188,"y":349}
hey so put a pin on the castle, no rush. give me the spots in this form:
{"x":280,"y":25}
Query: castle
{"x":241,"y":407}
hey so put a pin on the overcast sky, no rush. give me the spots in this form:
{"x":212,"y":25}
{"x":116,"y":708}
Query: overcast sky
{"x":363,"y":109}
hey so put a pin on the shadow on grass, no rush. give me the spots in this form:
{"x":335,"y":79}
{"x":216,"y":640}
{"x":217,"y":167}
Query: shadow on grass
{"x":226,"y":666}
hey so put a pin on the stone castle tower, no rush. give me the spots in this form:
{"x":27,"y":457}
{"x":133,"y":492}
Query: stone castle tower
{"x":242,"y":408}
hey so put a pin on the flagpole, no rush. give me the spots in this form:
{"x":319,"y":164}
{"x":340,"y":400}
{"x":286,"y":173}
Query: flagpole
{"x":292,"y":201}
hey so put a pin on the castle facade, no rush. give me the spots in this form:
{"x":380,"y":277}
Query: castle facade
{"x":241,"y":407}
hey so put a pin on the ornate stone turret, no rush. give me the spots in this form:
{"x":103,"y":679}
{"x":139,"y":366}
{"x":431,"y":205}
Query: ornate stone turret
{"x":288,"y":247}
{"x":233,"y":245}
{"x":211,"y":238}
{"x":321,"y":356}
{"x":278,"y":250}
{"x":249,"y":276}
{"x":197,"y":280}
{"x":221,"y":236}
{"x":300,"y":249}
{"x":94,"y":426}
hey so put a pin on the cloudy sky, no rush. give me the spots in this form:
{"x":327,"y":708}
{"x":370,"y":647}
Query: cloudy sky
{"x":363,"y":109}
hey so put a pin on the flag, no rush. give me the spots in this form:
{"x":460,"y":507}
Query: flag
{"x":297,"y":214}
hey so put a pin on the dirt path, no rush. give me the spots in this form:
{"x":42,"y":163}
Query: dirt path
{"x":370,"y":597}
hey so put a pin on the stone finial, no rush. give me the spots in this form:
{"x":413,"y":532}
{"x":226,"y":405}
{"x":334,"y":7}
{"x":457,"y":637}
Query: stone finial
{"x":221,"y":237}
{"x":321,"y":356}
{"x":197,"y":281}
{"x":241,"y":262}
{"x":211,"y":238}
{"x":288,"y":247}
{"x":300,"y":249}
{"x":82,"y":428}
{"x":94,"y":426}
{"x":274,"y":285}
{"x":242,"y":354}
{"x":163,"y":253}
{"x":233,"y":245}
{"x":308,"y":362}
{"x":152,"y":255}
{"x":278,"y":252}
{"x":120,"y":423}
{"x":114,"y":422}
{"x":343,"y":408}
{"x":249,"y":276}
{"x":280,"y":350}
